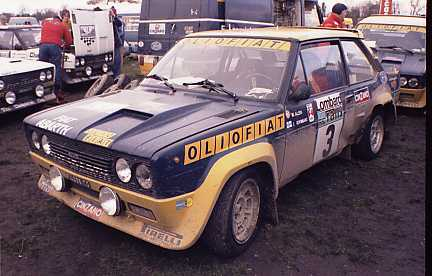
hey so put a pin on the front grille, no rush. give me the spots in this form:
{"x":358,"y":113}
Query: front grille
{"x":82,"y":161}
{"x":92,"y":161}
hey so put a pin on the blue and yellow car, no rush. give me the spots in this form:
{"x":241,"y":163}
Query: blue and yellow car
{"x":202,"y":146}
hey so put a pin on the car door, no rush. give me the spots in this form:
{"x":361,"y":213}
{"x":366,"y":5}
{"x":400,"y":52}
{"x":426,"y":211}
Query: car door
{"x":325,"y":73}
{"x":300,"y":129}
{"x":362,"y":78}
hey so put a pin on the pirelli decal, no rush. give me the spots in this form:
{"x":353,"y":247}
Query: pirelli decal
{"x":242,"y":42}
{"x":393,"y":28}
{"x":216,"y":144}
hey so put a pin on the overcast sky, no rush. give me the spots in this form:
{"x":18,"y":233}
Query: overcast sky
{"x":16,"y":5}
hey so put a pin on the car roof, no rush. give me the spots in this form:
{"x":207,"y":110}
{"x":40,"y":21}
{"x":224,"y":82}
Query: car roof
{"x":294,"y":33}
{"x":403,"y":20}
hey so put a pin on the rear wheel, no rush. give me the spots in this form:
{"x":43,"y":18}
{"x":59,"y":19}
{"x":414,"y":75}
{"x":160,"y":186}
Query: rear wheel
{"x":236,"y":216}
{"x":372,"y":140}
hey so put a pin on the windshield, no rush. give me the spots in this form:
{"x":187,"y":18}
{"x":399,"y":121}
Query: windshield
{"x":251,"y":68}
{"x":29,"y":37}
{"x":406,"y":37}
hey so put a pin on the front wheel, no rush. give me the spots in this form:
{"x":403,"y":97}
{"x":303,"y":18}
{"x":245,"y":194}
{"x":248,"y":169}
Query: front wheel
{"x":372,"y":140}
{"x":236,"y":215}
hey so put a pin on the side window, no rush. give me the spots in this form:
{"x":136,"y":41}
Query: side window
{"x":299,"y":75}
{"x":6,"y":40}
{"x":16,"y":43}
{"x":323,"y":66}
{"x":359,"y":67}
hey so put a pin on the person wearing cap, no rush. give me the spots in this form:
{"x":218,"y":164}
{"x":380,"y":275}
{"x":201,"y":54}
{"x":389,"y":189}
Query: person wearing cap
{"x":118,"y":28}
{"x":54,"y":35}
{"x":337,"y":16}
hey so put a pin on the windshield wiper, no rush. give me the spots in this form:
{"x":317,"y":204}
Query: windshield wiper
{"x":162,"y":79}
{"x":214,"y":86}
{"x":396,"y":48}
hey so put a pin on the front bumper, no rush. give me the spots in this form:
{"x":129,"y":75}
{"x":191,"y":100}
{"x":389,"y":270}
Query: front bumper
{"x":32,"y":102}
{"x":178,"y":222}
{"x":412,"y":98}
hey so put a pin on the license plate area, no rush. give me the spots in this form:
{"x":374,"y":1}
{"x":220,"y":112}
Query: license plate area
{"x":89,"y":208}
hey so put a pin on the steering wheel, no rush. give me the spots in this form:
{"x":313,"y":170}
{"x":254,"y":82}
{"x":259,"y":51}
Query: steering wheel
{"x":268,"y":82}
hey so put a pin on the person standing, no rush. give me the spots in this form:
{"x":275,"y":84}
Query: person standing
{"x":337,"y":17}
{"x":54,"y":36}
{"x":119,"y":34}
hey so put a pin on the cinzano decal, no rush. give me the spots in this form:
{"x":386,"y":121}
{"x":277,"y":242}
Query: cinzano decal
{"x":213,"y":145}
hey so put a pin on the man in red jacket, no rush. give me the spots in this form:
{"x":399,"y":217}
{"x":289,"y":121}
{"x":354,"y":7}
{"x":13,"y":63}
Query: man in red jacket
{"x":55,"y":35}
{"x":336,"y":18}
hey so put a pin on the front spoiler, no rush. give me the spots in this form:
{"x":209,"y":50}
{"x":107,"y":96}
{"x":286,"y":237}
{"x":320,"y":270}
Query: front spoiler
{"x":70,"y":81}
{"x":34,"y":102}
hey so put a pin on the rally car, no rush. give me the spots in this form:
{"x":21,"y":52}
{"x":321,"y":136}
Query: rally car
{"x":25,"y":83}
{"x":201,"y":147}
{"x":20,"y":42}
{"x":400,"y":43}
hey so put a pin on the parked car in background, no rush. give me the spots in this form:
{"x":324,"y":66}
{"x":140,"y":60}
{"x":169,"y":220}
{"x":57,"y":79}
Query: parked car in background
{"x":25,"y":83}
{"x":202,"y":146}
{"x":20,"y":41}
{"x":399,"y":43}
{"x":23,"y":20}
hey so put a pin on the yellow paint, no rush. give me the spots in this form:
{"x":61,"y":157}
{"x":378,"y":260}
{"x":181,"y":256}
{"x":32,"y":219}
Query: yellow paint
{"x":393,"y":28}
{"x":98,"y":137}
{"x":241,"y":43}
{"x":192,"y":152}
{"x":231,"y":139}
{"x":187,"y":223}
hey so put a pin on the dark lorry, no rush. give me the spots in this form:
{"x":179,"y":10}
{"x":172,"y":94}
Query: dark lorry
{"x":164,"y":22}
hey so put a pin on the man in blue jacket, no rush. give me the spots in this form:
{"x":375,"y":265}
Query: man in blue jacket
{"x":119,"y":36}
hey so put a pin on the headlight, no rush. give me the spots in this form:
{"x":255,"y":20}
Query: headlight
{"x":40,"y":91}
{"x":143,"y":176}
{"x":57,"y":180}
{"x":123,"y":170}
{"x":105,"y":68}
{"x":42,"y":76}
{"x":88,"y":71}
{"x":403,"y":81}
{"x":45,"y":144}
{"x":49,"y":75}
{"x":2,"y":85}
{"x":77,"y":62}
{"x":82,"y":62}
{"x":110,"y":57}
{"x":35,"y":140}
{"x":110,"y":202}
{"x":10,"y":97}
{"x":413,"y":82}
{"x":106,"y":58}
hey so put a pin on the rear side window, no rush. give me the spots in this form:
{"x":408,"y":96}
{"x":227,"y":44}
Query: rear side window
{"x":323,"y":66}
{"x":359,"y":67}
{"x":299,"y":76}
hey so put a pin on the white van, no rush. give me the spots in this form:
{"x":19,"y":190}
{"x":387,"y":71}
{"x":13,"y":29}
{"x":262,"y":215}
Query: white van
{"x":92,"y":52}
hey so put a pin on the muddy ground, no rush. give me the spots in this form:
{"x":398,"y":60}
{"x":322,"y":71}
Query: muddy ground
{"x":339,"y":218}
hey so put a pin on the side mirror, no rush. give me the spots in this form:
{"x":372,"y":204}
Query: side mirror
{"x":302,"y":92}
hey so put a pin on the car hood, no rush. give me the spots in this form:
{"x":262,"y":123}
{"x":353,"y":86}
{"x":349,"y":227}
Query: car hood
{"x":140,"y":122}
{"x":409,"y":64}
{"x":10,"y":66}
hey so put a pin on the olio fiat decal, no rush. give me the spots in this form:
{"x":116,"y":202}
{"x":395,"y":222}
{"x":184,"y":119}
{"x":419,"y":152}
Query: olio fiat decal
{"x":216,"y":144}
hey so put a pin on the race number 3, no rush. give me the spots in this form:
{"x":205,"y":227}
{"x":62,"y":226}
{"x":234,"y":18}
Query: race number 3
{"x":330,"y":133}
{"x":327,"y":140}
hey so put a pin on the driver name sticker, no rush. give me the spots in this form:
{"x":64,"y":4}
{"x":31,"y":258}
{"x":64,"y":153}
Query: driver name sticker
{"x":205,"y":148}
{"x":392,"y":28}
{"x":241,"y":42}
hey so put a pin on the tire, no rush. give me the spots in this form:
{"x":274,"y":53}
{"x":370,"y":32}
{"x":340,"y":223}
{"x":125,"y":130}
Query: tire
{"x":102,"y":83}
{"x":220,"y":234}
{"x":131,"y":85}
{"x":371,"y":142}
